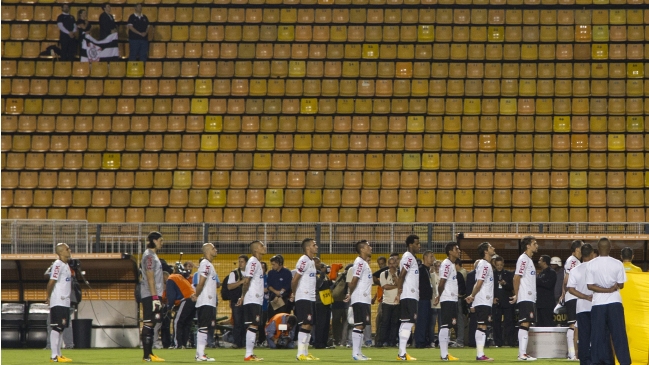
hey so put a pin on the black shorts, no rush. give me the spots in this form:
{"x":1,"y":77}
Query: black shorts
{"x":147,"y":311}
{"x":571,"y":308}
{"x":304,"y":311}
{"x":60,"y":317}
{"x":449,"y":314}
{"x":526,"y":312}
{"x":362,"y":314}
{"x":206,"y":315}
{"x":252,"y":314}
{"x":409,"y":309}
{"x":483,"y":314}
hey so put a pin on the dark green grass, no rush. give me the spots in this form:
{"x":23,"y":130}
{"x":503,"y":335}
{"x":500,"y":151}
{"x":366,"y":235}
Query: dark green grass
{"x":328,"y":356}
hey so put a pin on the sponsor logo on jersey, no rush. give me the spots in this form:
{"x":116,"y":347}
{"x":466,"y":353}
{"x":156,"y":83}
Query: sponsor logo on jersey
{"x":522,"y":268}
{"x":56,"y":271}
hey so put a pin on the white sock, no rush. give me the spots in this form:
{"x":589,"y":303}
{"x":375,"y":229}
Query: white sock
{"x":404,"y":334}
{"x":201,"y":342}
{"x":570,"y":337}
{"x":522,"y":342}
{"x":306,"y":346}
{"x":302,"y":343}
{"x":444,"y":337}
{"x":480,"y":338}
{"x":251,"y":336}
{"x":357,"y":340}
{"x":55,"y":343}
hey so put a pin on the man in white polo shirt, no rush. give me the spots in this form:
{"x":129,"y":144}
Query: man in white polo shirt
{"x":605,"y":276}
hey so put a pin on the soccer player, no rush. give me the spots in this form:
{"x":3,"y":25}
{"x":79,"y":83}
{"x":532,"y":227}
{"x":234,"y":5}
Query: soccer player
{"x":605,"y":276}
{"x":59,"y":289}
{"x":151,"y":288}
{"x":303,"y":287}
{"x":571,"y":300}
{"x":482,"y":297}
{"x":360,"y":294}
{"x":252,"y":297}
{"x":447,"y":296}
{"x":577,"y":286}
{"x":205,"y":298}
{"x":525,"y":293}
{"x":408,"y":294}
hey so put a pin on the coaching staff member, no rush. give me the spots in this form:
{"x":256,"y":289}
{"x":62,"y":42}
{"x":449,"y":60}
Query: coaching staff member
{"x":151,"y":289}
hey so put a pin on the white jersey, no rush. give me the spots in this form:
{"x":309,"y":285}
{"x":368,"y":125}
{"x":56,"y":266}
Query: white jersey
{"x":447,"y":271}
{"x":577,"y":280}
{"x":254,"y":271}
{"x":527,"y":288}
{"x":63,"y":287}
{"x":363,"y":291}
{"x":484,"y":272}
{"x":306,"y":286}
{"x":208,"y":295}
{"x":570,"y":264}
{"x":605,"y":271}
{"x":411,"y":281}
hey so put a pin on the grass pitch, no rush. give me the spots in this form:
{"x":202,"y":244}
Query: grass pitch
{"x":327,"y":356}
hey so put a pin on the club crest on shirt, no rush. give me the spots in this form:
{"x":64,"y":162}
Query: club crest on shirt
{"x":257,"y":318}
{"x":454,"y":321}
{"x":367,"y":318}
{"x":63,"y":321}
{"x":531,"y":314}
{"x":308,"y":317}
{"x":489,"y":318}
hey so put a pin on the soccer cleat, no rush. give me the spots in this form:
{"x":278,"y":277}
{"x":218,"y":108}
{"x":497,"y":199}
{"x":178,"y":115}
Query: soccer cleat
{"x":406,"y":357}
{"x":484,"y":358}
{"x":573,"y":358}
{"x":204,"y":358}
{"x":450,"y":357}
{"x":526,"y":357}
{"x":312,"y":358}
{"x":60,"y":359}
{"x":252,"y":358}
{"x":154,"y":358}
{"x":360,"y":357}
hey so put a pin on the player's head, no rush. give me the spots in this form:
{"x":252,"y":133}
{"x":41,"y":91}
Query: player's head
{"x":499,"y":263}
{"x":587,"y":252}
{"x":412,"y":243}
{"x":154,"y":240}
{"x":291,"y":322}
{"x":310,"y":247}
{"x":627,"y":254}
{"x":604,"y":246}
{"x":485,"y":248}
{"x":209,"y":251}
{"x":428,"y":258}
{"x":544,"y":261}
{"x":257,"y":247}
{"x":395,"y":254}
{"x":575,"y":248}
{"x":243,"y":260}
{"x":363,"y":246}
{"x":63,"y":250}
{"x":528,"y":243}
{"x":452,"y":250}
{"x":381,"y":261}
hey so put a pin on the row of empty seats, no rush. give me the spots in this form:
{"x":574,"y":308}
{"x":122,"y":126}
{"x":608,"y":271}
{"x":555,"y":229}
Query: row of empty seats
{"x":288,"y":215}
{"x":323,"y":124}
{"x":201,"y":179}
{"x":334,"y":69}
{"x":308,"y":15}
{"x":484,"y":143}
{"x":349,"y":2}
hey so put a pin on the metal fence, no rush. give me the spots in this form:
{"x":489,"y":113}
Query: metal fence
{"x":41,"y":236}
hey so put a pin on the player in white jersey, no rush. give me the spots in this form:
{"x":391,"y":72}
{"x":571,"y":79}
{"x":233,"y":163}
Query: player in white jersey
{"x":578,"y":287}
{"x":303,"y":287}
{"x":447,"y":297}
{"x":205,"y":298}
{"x":525,"y":293}
{"x":571,"y":300}
{"x":152,"y":287}
{"x":252,"y":297}
{"x":408,"y":294}
{"x":482,"y":297}
{"x":360,"y":294}
{"x":59,"y":288}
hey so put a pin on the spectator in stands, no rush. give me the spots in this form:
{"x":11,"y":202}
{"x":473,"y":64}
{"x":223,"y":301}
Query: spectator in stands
{"x":138,"y":33}
{"x":555,"y":264}
{"x":390,"y":305}
{"x":545,"y":281}
{"x":435,"y":308}
{"x":107,"y":24}
{"x":83,"y":25}
{"x":462,"y":308}
{"x":67,"y":33}
{"x":322,"y":310}
{"x":279,"y":287}
{"x":503,"y":311}
{"x":277,"y":337}
{"x":627,"y":257}
{"x":422,"y":327}
{"x":235,"y":281}
{"x":179,"y":291}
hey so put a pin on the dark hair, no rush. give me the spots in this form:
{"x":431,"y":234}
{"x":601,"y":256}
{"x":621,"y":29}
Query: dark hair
{"x":482,"y":248}
{"x":427,"y":252}
{"x":152,"y":237}
{"x":449,"y":247}
{"x":458,"y":261}
{"x":526,"y":241}
{"x":596,"y":251}
{"x":104,"y":5}
{"x":499,"y":258}
{"x":264,"y":266}
{"x":411,"y":239}
{"x":382,"y":258}
{"x":359,"y":244}
{"x":394,"y":254}
{"x":245,"y":257}
{"x":304,"y":242}
{"x":279,"y":259}
{"x":79,"y":13}
{"x":291,"y":321}
{"x":587,"y":249}
{"x":252,"y":243}
{"x":546,"y":259}
{"x":627,"y":253}
{"x":165,"y":267}
{"x":575,"y":245}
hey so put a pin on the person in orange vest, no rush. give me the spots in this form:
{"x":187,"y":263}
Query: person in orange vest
{"x":179,"y":290}
{"x":277,"y":337}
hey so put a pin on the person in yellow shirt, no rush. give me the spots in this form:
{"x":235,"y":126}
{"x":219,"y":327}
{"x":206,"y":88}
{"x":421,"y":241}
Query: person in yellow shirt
{"x":627,"y":257}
